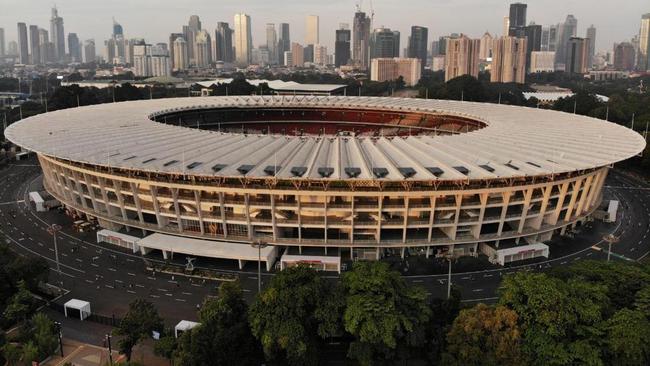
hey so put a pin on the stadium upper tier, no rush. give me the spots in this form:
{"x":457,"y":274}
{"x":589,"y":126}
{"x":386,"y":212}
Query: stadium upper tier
{"x":327,"y":138}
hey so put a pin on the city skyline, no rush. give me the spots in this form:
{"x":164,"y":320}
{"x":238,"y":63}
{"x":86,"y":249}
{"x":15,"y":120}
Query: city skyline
{"x":614,"y":23}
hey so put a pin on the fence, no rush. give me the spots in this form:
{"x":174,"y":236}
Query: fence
{"x":93,"y":317}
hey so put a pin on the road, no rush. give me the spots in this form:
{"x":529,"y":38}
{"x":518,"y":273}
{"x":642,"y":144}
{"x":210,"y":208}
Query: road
{"x":110,"y":277}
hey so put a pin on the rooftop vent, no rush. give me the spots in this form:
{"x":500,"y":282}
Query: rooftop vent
{"x":218,"y":167}
{"x":272,"y":169}
{"x":243,"y":169}
{"x":352,"y":172}
{"x":509,"y":165}
{"x":533,"y":164}
{"x":130,"y":157}
{"x":148,"y":160}
{"x":435,"y":171}
{"x":325,"y":172}
{"x":461,"y":169}
{"x":488,"y":168}
{"x":298,"y":171}
{"x":194,"y":165}
{"x":407,"y":172}
{"x":171,"y":162}
{"x":380,"y":172}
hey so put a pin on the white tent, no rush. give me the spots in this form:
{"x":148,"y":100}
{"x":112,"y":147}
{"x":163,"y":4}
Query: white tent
{"x":83,"y":307}
{"x":183,"y":326}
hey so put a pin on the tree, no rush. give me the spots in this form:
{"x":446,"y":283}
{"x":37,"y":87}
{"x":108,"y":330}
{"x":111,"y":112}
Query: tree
{"x":642,"y":301}
{"x":139,"y":322}
{"x":224,"y":336}
{"x":382,"y":312}
{"x":165,"y":347}
{"x":44,"y":335}
{"x":628,"y":332}
{"x":12,"y":354}
{"x":287,"y":317}
{"x":443,"y":312}
{"x":30,"y":353}
{"x":484,"y":335}
{"x":560,"y":320}
{"x":20,"y":305}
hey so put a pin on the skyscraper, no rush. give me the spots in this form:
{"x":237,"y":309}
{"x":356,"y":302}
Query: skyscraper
{"x":361,"y":40}
{"x":74,"y":48}
{"x":509,"y":60}
{"x":181,"y":59}
{"x":418,"y":43}
{"x":578,"y":55}
{"x":272,"y":43}
{"x":172,"y":39}
{"x":461,"y":57}
{"x":320,"y":55}
{"x":2,"y":42}
{"x":384,"y":43}
{"x":342,"y":47}
{"x":566,"y":30}
{"x":312,"y":30}
{"x":485,"y":50}
{"x":533,"y":33}
{"x":34,"y":45}
{"x":389,"y":69}
{"x":23,"y":44}
{"x":90,"y":54}
{"x":591,"y":36}
{"x":284,"y":42}
{"x":223,"y":43}
{"x":117,"y":29}
{"x":297,"y":55}
{"x":47,"y":48}
{"x":644,"y":43}
{"x":624,"y":56}
{"x":517,"y":19}
{"x":202,"y":48}
{"x":57,"y":35}
{"x":243,"y":39}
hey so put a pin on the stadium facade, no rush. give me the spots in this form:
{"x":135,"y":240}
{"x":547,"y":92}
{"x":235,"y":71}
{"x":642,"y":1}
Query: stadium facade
{"x":365,"y":175}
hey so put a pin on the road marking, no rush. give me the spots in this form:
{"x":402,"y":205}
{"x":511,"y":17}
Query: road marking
{"x":130,"y":274}
{"x":119,"y":281}
{"x":155,"y":296}
{"x":417,"y":281}
{"x":151,"y":278}
{"x":131,"y":292}
{"x":187,"y":293}
{"x":181,"y":300}
{"x":94,"y":264}
{"x":161,"y":289}
{"x":477,"y":290}
{"x":112,"y":269}
{"x":109,"y":286}
{"x":139,"y":285}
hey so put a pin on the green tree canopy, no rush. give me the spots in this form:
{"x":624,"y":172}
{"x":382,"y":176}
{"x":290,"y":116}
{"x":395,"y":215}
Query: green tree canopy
{"x":627,"y":343}
{"x":139,"y":322}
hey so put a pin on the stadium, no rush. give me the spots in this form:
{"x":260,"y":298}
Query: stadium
{"x":320,"y":178}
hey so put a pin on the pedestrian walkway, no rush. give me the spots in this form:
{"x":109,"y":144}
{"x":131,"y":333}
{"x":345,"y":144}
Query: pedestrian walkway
{"x":82,"y":354}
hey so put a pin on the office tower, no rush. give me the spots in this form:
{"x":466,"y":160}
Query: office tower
{"x":202,"y":48}
{"x":506,"y":25}
{"x":549,"y":38}
{"x":517,"y":20}
{"x":160,"y":63}
{"x":74,"y":49}
{"x":361,"y":40}
{"x":2,"y":42}
{"x":297,"y":55}
{"x":57,"y":35}
{"x":109,"y":50}
{"x":566,"y":30}
{"x":384,"y":43}
{"x":189,"y":33}
{"x":12,"y":48}
{"x":591,"y":36}
{"x":117,"y":29}
{"x":320,"y":55}
{"x":461,"y":57}
{"x":578,"y":54}
{"x":34,"y":45}
{"x":172,"y":38}
{"x":542,"y":61}
{"x":533,"y":33}
{"x":181,"y":58}
{"x":485,"y":48}
{"x":418,"y":43}
{"x":287,"y":59}
{"x":644,"y":43}
{"x":509,"y":60}
{"x":624,"y":56}
{"x":308,"y":53}
{"x":90,"y":54}
{"x":312,"y":30}
{"x":284,"y":42}
{"x":194,"y":23}
{"x":243,"y":39}
{"x":142,"y":59}
{"x":442,"y":42}
{"x":342,"y":47}
{"x":223,"y":43}
{"x":23,"y":44}
{"x":272,"y":43}
{"x":389,"y":69}
{"x":47,"y":48}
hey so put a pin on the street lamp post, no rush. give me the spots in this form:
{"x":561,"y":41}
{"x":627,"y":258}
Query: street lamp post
{"x":449,"y":278}
{"x":610,"y":239}
{"x":110,"y":350}
{"x":58,"y":329}
{"x":52,"y":230}
{"x":259,"y":244}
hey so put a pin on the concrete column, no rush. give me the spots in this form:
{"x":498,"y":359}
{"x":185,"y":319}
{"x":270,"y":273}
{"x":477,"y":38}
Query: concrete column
{"x":574,"y":196}
{"x":299,"y":218}
{"x":406,"y":218}
{"x":136,"y":200}
{"x":599,"y":188}
{"x":177,"y":209}
{"x":120,"y":199}
{"x":583,"y":196}
{"x":380,"y":207}
{"x":80,"y":191}
{"x":223,"y":214}
{"x":102,"y":189}
{"x":432,"y":216}
{"x":560,"y":203}
{"x":459,"y":203}
{"x":325,"y":221}
{"x":504,"y":210}
{"x":524,"y":211}
{"x":156,"y":205}
{"x":476,"y":231}
{"x":91,"y":192}
{"x":273,"y":219}
{"x":199,"y":210}
{"x":544,"y":206}
{"x":248,"y":215}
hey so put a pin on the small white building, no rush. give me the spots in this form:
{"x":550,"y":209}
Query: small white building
{"x":119,"y":239}
{"x":184,"y":326}
{"x":76,"y":308}
{"x":39,"y":202}
{"x":514,"y":253}
{"x":317,"y":262}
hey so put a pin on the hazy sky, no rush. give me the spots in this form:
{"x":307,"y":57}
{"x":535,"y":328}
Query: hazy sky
{"x":155,"y":19}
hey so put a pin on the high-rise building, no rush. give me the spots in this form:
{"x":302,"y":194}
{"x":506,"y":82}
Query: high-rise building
{"x":172,"y":38}
{"x":389,"y":69}
{"x":288,"y":59}
{"x":297,"y":55}
{"x":2,"y":42}
{"x":181,"y":58}
{"x":34,"y":45}
{"x":320,"y":55}
{"x":342,"y":46}
{"x":23,"y":44}
{"x":517,"y":20}
{"x":74,"y":48}
{"x":384,"y":43}
{"x":418,"y":43}
{"x":549,"y":38}
{"x":591,"y":36}
{"x":578,"y":56}
{"x":202,"y":48}
{"x":117,"y":29}
{"x":223,"y":43}
{"x":160,"y":63}
{"x":461,"y":57}
{"x":542,"y":61}
{"x":509,"y":60}
{"x":533,"y":33}
{"x":12,"y":48}
{"x":243,"y":39}
{"x":644,"y":43}
{"x":312,"y":30}
{"x":308,"y":53}
{"x":361,"y":40}
{"x":485,"y":49}
{"x":194,"y":23}
{"x":624,"y":56}
{"x":272,"y":43}
{"x":566,"y":30}
{"x":142,"y":59}
{"x":57,"y":35}
{"x":47,"y":48}
{"x":90,"y":54}
{"x":284,"y":42}
{"x":506,"y":25}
